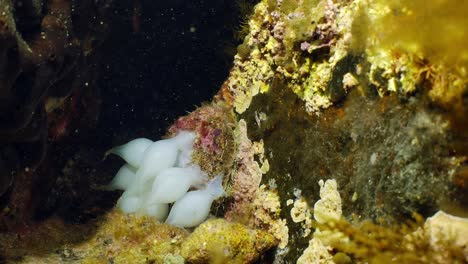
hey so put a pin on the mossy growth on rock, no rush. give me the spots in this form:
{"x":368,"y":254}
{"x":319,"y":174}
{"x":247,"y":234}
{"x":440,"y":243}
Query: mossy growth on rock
{"x":407,"y":242}
{"x":215,"y":147}
{"x":390,"y":156}
{"x":219,"y":241}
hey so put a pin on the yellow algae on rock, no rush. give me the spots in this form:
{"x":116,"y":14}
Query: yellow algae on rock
{"x":443,"y":227}
{"x":267,"y":210}
{"x":220,"y":241}
{"x":321,"y":50}
{"x":403,"y":45}
{"x":126,"y":238}
{"x":123,"y":238}
{"x":440,"y":240}
{"x":317,"y":253}
{"x":411,"y":25}
{"x":300,"y":213}
{"x":329,"y":206}
{"x":326,"y":210}
{"x":388,"y":46}
{"x":302,"y":44}
{"x":116,"y":238}
{"x":252,"y":71}
{"x":173,"y":259}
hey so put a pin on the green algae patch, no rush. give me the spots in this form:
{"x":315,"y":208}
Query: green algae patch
{"x":219,"y":241}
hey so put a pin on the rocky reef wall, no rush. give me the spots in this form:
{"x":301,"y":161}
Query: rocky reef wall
{"x":341,"y":129}
{"x":335,"y":90}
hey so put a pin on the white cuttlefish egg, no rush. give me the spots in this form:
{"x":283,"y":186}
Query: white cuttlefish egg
{"x":138,"y":203}
{"x":185,"y":157}
{"x":172,"y":183}
{"x":124,"y":178}
{"x":156,"y":210}
{"x":132,"y":152}
{"x":183,"y":140}
{"x":129,"y":204}
{"x":193,"y":208}
{"x":162,"y":154}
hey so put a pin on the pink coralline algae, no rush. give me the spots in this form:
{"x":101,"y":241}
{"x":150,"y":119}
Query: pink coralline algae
{"x":208,"y":139}
{"x":214,"y":146}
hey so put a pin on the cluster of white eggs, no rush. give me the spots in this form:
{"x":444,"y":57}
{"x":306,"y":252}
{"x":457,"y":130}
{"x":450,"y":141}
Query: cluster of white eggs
{"x":160,"y":173}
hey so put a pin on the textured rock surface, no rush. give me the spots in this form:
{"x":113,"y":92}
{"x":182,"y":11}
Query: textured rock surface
{"x":332,"y":90}
{"x":117,"y":238}
{"x":219,"y":241}
{"x":324,"y":86}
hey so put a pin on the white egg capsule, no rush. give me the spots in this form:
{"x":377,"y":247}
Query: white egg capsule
{"x":156,"y":210}
{"x":133,"y":202}
{"x":172,"y":183}
{"x":193,"y":208}
{"x":129,"y":204}
{"x":184,"y":159}
{"x":124,"y":178}
{"x":132,"y":152}
{"x":159,"y":156}
{"x":163,"y":154}
{"x":184,"y":140}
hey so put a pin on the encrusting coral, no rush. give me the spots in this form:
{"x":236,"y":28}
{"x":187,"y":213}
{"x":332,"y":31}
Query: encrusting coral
{"x":327,"y":209}
{"x":329,"y":205}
